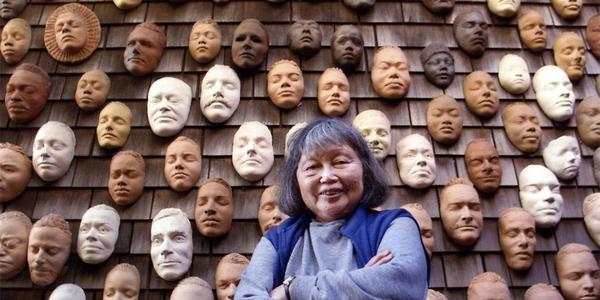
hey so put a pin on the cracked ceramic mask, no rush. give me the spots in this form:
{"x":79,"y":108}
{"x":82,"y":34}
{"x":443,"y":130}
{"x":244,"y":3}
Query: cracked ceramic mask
{"x":126,"y":177}
{"x":444,"y":119}
{"x":228,"y":273}
{"x":592,"y":34}
{"x":587,"y":116}
{"x":67,"y":291}
{"x":291,"y":133}
{"x":333,"y":92}
{"x":169,"y":101}
{"x":11,"y":8}
{"x":438,"y":64}
{"x":14,"y":236}
{"x":532,"y":30}
{"x":16,"y":40}
{"x":192,"y":288}
{"x":470,"y":32}
{"x":347,"y":47}
{"x":569,"y":54}
{"x":252,"y":153}
{"x":483,"y":165}
{"x":460,"y":211}
{"x":127,"y":4}
{"x":214,"y":208}
{"x":542,"y":291}
{"x":513,"y":74}
{"x":15,"y":171}
{"x":539,"y":191}
{"x":53,"y":150}
{"x":92,"y":90}
{"x":516,"y":233}
{"x":425,"y":224}
{"x":269,"y":214}
{"x":389,"y":74}
{"x":577,"y":271}
{"x":503,"y":8}
{"x":27,"y":92}
{"x":522,"y":127}
{"x":375,"y":128}
{"x":305,"y":37}
{"x":183,"y":164}
{"x":122,"y":283}
{"x":488,"y":285}
{"x":591,"y":216}
{"x":250,"y":44}
{"x":481,"y":94}
{"x":554,"y":93}
{"x":360,"y":5}
{"x":285,"y":84}
{"x":563,"y":157}
{"x":439,"y":7}
{"x":114,"y":125}
{"x":220,"y":95}
{"x":416,"y":163}
{"x":171,"y":243}
{"x":205,"y":41}
{"x":48,"y":250}
{"x":98,"y":233}
{"x":145,"y":47}
{"x":567,"y":9}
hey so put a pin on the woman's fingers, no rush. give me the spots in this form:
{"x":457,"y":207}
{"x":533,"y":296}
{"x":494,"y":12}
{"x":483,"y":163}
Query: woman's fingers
{"x":380,"y":258}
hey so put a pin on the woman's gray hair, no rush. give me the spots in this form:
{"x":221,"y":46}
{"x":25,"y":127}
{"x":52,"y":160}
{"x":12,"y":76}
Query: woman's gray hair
{"x":318,"y":135}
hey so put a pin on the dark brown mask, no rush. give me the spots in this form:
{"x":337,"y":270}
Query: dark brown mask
{"x":26,"y":93}
{"x":470,"y":32}
{"x":347,"y":47}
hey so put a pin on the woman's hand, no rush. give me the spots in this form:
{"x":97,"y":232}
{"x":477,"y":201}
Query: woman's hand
{"x":379,"y":259}
{"x":278,"y":293}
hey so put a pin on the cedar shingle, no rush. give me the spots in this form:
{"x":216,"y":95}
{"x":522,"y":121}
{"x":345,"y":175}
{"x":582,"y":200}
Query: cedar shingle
{"x":187,"y":12}
{"x":460,"y":268}
{"x":262,"y":10}
{"x":70,"y":204}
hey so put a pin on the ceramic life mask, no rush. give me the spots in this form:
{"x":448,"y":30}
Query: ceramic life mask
{"x":596,"y":158}
{"x":145,"y":46}
{"x":53,"y":150}
{"x":587,"y":116}
{"x":169,"y":101}
{"x":14,"y":235}
{"x":375,"y":128}
{"x":460,"y":211}
{"x":542,"y":291}
{"x":228,"y":273}
{"x":220,"y":96}
{"x":333,"y":92}
{"x":503,"y":8}
{"x":98,"y":233}
{"x":592,"y":34}
{"x":92,"y":90}
{"x":532,"y":30}
{"x":11,"y":8}
{"x":539,"y":191}
{"x":122,"y":283}
{"x":252,"y":153}
{"x":389,"y":74}
{"x":481,"y":94}
{"x":567,"y":9}
{"x":470,"y":32}
{"x":522,"y":127}
{"x":126,"y":180}
{"x":305,"y":37}
{"x":347,"y":47}
{"x":360,"y":5}
{"x":127,"y":4}
{"x":27,"y":92}
{"x":70,"y":31}
{"x":250,"y":44}
{"x":444,"y":119}
{"x":435,"y":295}
{"x":563,"y":157}
{"x":183,"y":164}
{"x":416,"y":163}
{"x":48,"y":250}
{"x":483,"y":165}
{"x":67,"y":291}
{"x":513,"y":74}
{"x":192,"y":288}
{"x":591,"y":216}
{"x":438,"y":64}
{"x":171,"y":240}
{"x":285,"y":84}
{"x":439,"y":7}
{"x":214,"y":208}
{"x":114,"y":125}
{"x":16,"y":40}
{"x":291,"y":133}
{"x":269,"y":214}
{"x":15,"y":171}
{"x":577,"y":271}
{"x":554,"y":93}
{"x":488,"y":285}
{"x":569,"y":54}
{"x":205,"y":41}
{"x":425,"y":224}
{"x":516,"y":233}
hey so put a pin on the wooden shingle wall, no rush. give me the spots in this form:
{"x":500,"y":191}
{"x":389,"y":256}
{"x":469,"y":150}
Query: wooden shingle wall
{"x":404,"y":23}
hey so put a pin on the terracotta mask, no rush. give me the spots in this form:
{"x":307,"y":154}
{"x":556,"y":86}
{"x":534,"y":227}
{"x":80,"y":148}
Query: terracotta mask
{"x":92,"y":90}
{"x":183,"y":164}
{"x":49,"y":249}
{"x":169,"y":101}
{"x":16,"y":40}
{"x":425,"y":224}
{"x":98,"y":233}
{"x":285,"y":84}
{"x":127,"y":4}
{"x":439,"y":7}
{"x":483,"y":165}
{"x":227,"y":276}
{"x":269,"y":214}
{"x":122,"y":283}
{"x":220,"y":95}
{"x":252,"y":153}
{"x":145,"y":46}
{"x":360,"y":5}
{"x":435,"y":295}
{"x":567,"y":9}
{"x":214,"y":208}
{"x":591,"y":216}
{"x":481,"y":94}
{"x":488,"y":285}
{"x":503,"y":8}
{"x":513,"y":74}
{"x":205,"y":41}
{"x":114,"y":125}
{"x":53,"y":150}
{"x":562,"y":157}
{"x":171,"y":240}
{"x":67,"y":291}
{"x":569,"y":54}
{"x":416,"y":163}
{"x":11,"y":8}
{"x":27,"y":92}
{"x":333,"y":92}
{"x":592,"y":34}
{"x":460,"y":211}
{"x":539,"y":192}
{"x":532,"y":30}
{"x":347,"y":47}
{"x":554,"y":93}
{"x":291,"y":133}
{"x":597,"y":165}
{"x":192,"y":288}
{"x":444,"y":119}
{"x":577,"y":271}
{"x":438,"y":64}
{"x":250,"y":44}
{"x":14,"y":235}
{"x":375,"y":128}
{"x":522,"y":127}
{"x":305,"y":37}
{"x":587,"y":116}
{"x":126,"y":181}
{"x":470,"y":32}
{"x":542,"y":291}
{"x":15,"y":171}
{"x":516,"y":233}
{"x":389,"y":74}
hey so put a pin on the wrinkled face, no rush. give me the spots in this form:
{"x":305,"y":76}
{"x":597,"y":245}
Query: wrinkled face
{"x":16,"y":39}
{"x":143,"y":52}
{"x":26,"y":96}
{"x":513,"y":74}
{"x":489,"y":291}
{"x":13,"y":247}
{"x":183,"y":164}
{"x":269,"y":214}
{"x":171,"y":250}
{"x":15,"y":172}
{"x":517,"y":239}
{"x":92,"y":90}
{"x":567,"y":9}
{"x":214,"y":210}
{"x":375,"y":129}
{"x":220,"y":95}
{"x":47,"y":253}
{"x":592,"y":33}
{"x":470,"y":31}
{"x":441,"y":7}
{"x":114,"y":125}
{"x":305,"y":37}
{"x":71,"y":32}
{"x":227,"y":277}
{"x":426,"y":226}
{"x":416,"y":163}
{"x":522,"y":127}
{"x":98,"y":233}
{"x":533,"y":31}
{"x":347,"y":47}
{"x":360,"y":4}
{"x":11,"y":8}
{"x":204,"y":42}
{"x":554,"y":93}
{"x":120,"y":284}
{"x":579,"y":276}
{"x":389,"y":74}
{"x":481,"y":94}
{"x":333,"y":93}
{"x":252,"y":153}
{"x":127,"y":4}
{"x":539,"y":192}
{"x":191,"y":292}
{"x":444,"y":119}
{"x":53,"y":151}
{"x":285,"y":85}
{"x":592,"y":220}
{"x":126,"y":181}
{"x":562,"y":157}
{"x":439,"y":69}
{"x":504,"y":8}
{"x":587,"y":116}
{"x":250,"y":45}
{"x":460,"y":211}
{"x":169,"y":102}
{"x":569,"y":54}
{"x":483,"y":166}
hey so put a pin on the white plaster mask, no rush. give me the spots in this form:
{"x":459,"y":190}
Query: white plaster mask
{"x":98,"y":233}
{"x":539,"y":192}
{"x":562,"y":157}
{"x":554,"y":93}
{"x":504,"y":8}
{"x":127,"y":4}
{"x":169,"y":102}
{"x":67,"y":291}
{"x":171,"y":243}
{"x":513,"y":74}
{"x":220,"y":96}
{"x":53,"y":150}
{"x":591,"y":216}
{"x":416,"y":162}
{"x":252,"y":153}
{"x":375,"y":128}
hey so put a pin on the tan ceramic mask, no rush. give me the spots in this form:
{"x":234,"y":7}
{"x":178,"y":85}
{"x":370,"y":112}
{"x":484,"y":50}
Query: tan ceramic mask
{"x":435,"y":295}
{"x":444,"y":119}
{"x":389,"y":73}
{"x":16,"y":40}
{"x":171,"y":243}
{"x":252,"y":153}
{"x":567,"y":9}
{"x":591,"y":216}
{"x":214,"y":208}
{"x":285,"y":84}
{"x":114,"y":125}
{"x":470,"y":32}
{"x":192,"y":288}
{"x":439,"y":7}
{"x":145,"y":46}
{"x":122,"y":283}
{"x":27,"y":92}
{"x":375,"y":128}
{"x":522,"y":127}
{"x":563,"y":157}
{"x":513,"y":74}
{"x":269,"y":214}
{"x":347,"y":47}
{"x":539,"y":192}
{"x":14,"y":235}
{"x":460,"y":211}
{"x":516,"y":233}
{"x":205,"y":41}
{"x":577,"y":271}
{"x":127,"y":4}
{"x":438,"y":64}
{"x":11,"y":8}
{"x":227,"y":276}
{"x":481,"y":94}
{"x":569,"y":54}
{"x":305,"y":37}
{"x":53,"y":150}
{"x":425,"y":224}
{"x":183,"y":164}
{"x":416,"y":163}
{"x":592,"y":34}
{"x":488,"y":285}
{"x":360,"y":5}
{"x":333,"y":93}
{"x":92,"y":90}
{"x":68,"y":291}
{"x":126,"y":178}
{"x":542,"y":291}
{"x":483,"y":165}
{"x":98,"y":233}
{"x":250,"y":44}
{"x":503,"y":8}
{"x":49,"y":249}
{"x":15,"y":171}
{"x":532,"y":30}
{"x":554,"y":93}
{"x":220,"y":94}
{"x":587,"y":116}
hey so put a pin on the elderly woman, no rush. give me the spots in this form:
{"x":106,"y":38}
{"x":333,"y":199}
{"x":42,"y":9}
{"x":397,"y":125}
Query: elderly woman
{"x":334,"y":246}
